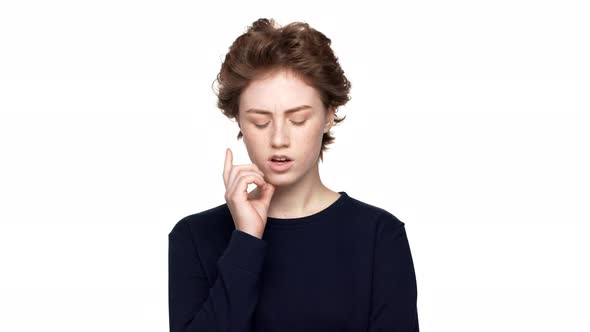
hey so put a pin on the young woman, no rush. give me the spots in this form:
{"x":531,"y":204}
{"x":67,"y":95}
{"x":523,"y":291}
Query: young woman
{"x":292,"y":254}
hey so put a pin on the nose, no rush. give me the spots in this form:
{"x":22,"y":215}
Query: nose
{"x":280,"y":136}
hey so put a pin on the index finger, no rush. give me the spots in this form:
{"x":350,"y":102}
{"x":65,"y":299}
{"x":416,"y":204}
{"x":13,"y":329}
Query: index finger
{"x":227,"y":165}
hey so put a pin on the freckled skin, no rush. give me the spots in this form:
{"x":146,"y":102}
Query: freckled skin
{"x":276,"y":93}
{"x":278,"y":133}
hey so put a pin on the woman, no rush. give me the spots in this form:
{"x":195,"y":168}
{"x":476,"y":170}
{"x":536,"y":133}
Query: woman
{"x":292,"y":254}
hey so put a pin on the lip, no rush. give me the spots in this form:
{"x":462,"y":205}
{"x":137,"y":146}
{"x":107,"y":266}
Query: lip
{"x":280,"y":166}
{"x":279,"y":156}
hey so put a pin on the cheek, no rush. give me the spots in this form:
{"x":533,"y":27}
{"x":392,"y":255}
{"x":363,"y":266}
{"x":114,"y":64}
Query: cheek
{"x":254,"y":141}
{"x":311,"y":140}
{"x":249,"y":135}
{"x":316,"y":134}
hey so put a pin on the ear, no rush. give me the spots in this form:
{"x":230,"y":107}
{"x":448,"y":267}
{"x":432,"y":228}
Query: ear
{"x":329,"y":119}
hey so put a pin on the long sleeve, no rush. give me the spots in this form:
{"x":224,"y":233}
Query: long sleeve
{"x":394,"y":293}
{"x":229,"y":304}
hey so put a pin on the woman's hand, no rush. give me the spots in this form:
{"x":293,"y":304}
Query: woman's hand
{"x":249,"y":215}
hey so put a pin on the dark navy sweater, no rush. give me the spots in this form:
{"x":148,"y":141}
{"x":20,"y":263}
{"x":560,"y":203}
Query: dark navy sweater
{"x":347,"y":267}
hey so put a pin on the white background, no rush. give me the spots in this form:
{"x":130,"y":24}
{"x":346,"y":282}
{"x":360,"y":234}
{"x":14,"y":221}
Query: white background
{"x":469,"y":121}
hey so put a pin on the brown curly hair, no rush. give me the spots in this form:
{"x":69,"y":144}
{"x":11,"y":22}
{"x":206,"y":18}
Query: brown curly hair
{"x":264,"y":48}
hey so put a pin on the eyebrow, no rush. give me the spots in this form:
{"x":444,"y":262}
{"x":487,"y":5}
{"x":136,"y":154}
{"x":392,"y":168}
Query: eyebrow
{"x":292,"y":110}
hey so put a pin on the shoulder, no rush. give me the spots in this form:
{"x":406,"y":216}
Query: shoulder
{"x":207,"y":223}
{"x":380,"y":216}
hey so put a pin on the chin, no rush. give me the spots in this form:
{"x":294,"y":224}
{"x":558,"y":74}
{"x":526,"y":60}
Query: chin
{"x":278,"y":180}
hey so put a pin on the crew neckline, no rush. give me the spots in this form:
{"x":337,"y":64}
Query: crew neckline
{"x":279,"y":222}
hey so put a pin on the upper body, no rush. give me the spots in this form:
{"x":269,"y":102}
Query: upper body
{"x":292,"y":255}
{"x":347,"y":267}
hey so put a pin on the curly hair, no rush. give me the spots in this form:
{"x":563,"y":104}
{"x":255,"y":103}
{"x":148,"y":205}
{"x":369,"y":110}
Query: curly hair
{"x":264,"y":48}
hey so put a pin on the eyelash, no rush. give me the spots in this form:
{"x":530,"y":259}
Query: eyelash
{"x":295,"y":123}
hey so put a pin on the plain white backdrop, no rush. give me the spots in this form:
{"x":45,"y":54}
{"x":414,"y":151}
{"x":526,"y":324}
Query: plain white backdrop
{"x":469,"y":121}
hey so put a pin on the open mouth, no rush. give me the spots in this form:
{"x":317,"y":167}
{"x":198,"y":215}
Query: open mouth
{"x":280,"y":164}
{"x":280,"y":160}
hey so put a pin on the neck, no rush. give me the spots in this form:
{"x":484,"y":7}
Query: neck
{"x":300,"y":198}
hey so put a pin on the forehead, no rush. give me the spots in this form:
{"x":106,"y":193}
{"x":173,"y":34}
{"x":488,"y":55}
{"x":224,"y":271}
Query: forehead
{"x":278,"y":92}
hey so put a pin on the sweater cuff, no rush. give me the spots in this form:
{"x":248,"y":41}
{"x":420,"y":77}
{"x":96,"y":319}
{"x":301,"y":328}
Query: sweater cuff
{"x":245,"y":251}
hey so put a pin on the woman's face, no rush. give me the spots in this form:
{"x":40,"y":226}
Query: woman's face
{"x":280,"y":114}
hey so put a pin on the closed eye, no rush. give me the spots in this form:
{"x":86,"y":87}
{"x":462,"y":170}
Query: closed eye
{"x":295,"y":123}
